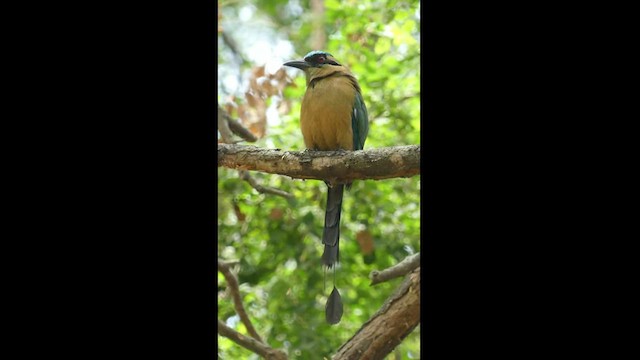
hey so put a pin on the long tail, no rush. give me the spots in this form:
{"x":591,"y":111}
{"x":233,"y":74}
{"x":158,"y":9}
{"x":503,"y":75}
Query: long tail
{"x":331,"y":233}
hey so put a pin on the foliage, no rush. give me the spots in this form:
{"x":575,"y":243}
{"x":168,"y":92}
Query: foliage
{"x":277,"y":240}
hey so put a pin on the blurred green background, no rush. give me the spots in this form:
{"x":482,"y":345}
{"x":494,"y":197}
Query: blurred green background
{"x":278,"y":240}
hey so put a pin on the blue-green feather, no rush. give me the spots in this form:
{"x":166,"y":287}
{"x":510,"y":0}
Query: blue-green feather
{"x":359,"y":122}
{"x":316,"y":52}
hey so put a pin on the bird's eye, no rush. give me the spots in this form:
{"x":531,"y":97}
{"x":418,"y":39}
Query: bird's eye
{"x":321,"y":59}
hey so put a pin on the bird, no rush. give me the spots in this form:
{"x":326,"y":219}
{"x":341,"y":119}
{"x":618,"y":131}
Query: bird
{"x":333,"y":116}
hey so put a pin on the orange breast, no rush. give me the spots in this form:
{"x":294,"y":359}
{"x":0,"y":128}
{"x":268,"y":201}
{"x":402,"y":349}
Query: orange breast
{"x":325,"y":116}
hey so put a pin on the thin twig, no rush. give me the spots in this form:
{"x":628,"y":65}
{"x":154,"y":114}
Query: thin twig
{"x":231,"y":43}
{"x":234,"y":290}
{"x":244,"y":175}
{"x":228,"y":125}
{"x":249,"y":343}
{"x":241,"y":131}
{"x":400,"y":269}
{"x":228,"y":263}
{"x":223,"y":127}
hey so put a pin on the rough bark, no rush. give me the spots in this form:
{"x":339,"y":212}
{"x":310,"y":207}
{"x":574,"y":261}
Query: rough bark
{"x":389,"y":326}
{"x":333,"y":166}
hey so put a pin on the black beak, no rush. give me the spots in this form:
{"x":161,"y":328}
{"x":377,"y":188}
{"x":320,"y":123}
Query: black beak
{"x":302,"y":65}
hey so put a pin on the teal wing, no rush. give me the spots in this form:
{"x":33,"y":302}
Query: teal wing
{"x":359,"y":122}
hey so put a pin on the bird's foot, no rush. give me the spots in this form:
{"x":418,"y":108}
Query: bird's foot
{"x":331,"y":182}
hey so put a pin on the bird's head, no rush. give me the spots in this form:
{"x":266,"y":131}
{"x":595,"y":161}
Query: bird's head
{"x":315,"y":63}
{"x":314,"y":59}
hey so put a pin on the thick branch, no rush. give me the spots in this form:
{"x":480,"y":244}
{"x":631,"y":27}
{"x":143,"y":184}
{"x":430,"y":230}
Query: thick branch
{"x":389,"y":326}
{"x":334,"y":166}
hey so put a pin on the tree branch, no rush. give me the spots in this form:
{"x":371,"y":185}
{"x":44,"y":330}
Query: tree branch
{"x":386,"y":329}
{"x":250,"y":344}
{"x":226,"y":125}
{"x":234,"y":290}
{"x":244,"y":175}
{"x":397,"y":270}
{"x":223,"y":127}
{"x":240,"y":130}
{"x":334,"y":166}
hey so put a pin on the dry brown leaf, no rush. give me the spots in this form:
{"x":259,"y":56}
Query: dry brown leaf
{"x":276,"y":214}
{"x":365,"y":239}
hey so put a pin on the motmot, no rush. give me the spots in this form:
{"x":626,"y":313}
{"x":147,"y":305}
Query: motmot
{"x":333,"y":116}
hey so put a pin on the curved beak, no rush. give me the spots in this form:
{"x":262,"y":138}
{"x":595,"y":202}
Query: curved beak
{"x":302,"y":65}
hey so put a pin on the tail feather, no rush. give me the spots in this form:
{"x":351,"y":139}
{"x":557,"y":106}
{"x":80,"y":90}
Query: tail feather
{"x":331,"y":233}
